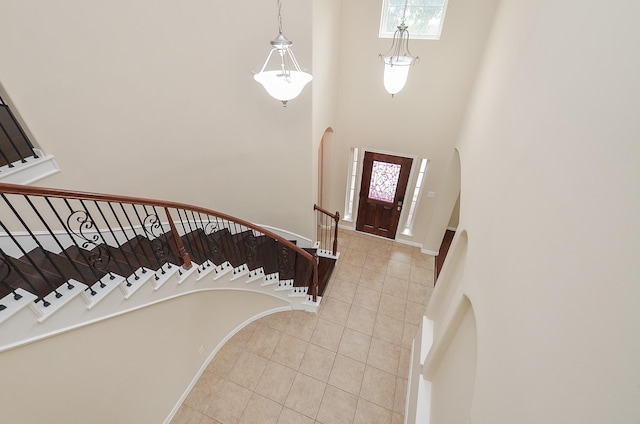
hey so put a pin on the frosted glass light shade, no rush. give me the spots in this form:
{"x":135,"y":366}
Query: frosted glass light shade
{"x":280,"y":87}
{"x":396,"y":71}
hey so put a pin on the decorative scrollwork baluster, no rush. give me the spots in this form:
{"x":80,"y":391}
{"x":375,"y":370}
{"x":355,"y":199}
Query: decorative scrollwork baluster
{"x":80,"y":224}
{"x":154,"y":232}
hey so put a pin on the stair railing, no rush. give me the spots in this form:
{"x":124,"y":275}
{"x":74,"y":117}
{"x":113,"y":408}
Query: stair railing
{"x":327,"y":230}
{"x":52,"y":238}
{"x":14,"y":144}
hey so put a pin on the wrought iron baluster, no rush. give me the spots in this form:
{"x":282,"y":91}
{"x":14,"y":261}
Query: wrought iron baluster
{"x":100,"y":247}
{"x":36,"y":268}
{"x":35,"y":239}
{"x":153,"y":231}
{"x":115,"y":238}
{"x":122,"y":228}
{"x":93,"y":260}
{"x":13,"y":144}
{"x":6,"y":260}
{"x":19,"y":127}
{"x":57,"y":241}
{"x":155,"y":254}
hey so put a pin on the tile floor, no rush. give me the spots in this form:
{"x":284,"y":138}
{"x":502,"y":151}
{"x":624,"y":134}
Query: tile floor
{"x":347,"y":364}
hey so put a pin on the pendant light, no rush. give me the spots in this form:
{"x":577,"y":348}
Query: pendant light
{"x":398,"y":59}
{"x":286,"y":82}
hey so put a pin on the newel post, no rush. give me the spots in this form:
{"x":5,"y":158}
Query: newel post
{"x":184,"y":255}
{"x":335,"y":238}
{"x":314,"y":282}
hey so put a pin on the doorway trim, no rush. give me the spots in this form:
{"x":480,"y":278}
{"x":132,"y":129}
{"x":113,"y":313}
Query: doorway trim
{"x":356,"y":204}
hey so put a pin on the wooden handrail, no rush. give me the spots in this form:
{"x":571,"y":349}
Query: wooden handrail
{"x":336,"y":218}
{"x":81,"y":195}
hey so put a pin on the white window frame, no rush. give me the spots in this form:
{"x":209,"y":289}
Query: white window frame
{"x":388,"y":33}
{"x":415,"y":198}
{"x":353,"y":180}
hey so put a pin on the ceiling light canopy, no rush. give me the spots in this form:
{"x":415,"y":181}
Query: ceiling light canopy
{"x":398,"y":59}
{"x":287,"y":81}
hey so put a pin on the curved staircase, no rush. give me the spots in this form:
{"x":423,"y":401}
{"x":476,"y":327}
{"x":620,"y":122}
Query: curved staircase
{"x":70,"y":258}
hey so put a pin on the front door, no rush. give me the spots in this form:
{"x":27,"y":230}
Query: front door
{"x":384,"y":183}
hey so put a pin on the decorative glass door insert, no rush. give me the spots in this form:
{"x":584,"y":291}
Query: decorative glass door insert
{"x":384,"y":181}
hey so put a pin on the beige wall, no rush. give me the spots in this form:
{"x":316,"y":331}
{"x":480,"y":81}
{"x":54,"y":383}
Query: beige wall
{"x":130,"y":369}
{"x":157,"y":99}
{"x":326,"y":50}
{"x":550,"y":206}
{"x":424,"y":119}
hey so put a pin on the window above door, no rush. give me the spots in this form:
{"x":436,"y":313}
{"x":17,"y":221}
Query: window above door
{"x":423,"y":17}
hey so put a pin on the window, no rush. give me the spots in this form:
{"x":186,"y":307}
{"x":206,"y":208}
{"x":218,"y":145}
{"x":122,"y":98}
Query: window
{"x":351,"y":184}
{"x":423,"y":17}
{"x":414,"y":199}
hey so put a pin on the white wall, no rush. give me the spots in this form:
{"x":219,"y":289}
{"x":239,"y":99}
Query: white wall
{"x":130,"y":369}
{"x":423,"y":120}
{"x":156,"y":99}
{"x":550,"y":205}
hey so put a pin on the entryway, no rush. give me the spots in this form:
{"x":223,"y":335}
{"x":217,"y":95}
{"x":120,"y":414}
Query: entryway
{"x":384,"y":183}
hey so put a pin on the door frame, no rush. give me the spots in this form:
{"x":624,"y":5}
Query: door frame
{"x":411,"y":183}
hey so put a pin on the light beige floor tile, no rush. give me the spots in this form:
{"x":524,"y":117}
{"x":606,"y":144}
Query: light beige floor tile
{"x":327,"y":334}
{"x":248,"y":369}
{"x":187,"y":415}
{"x":353,"y":257}
{"x":360,"y":243}
{"x":378,"y":387}
{"x":277,"y":321}
{"x":289,"y":351}
{"x":418,"y":293}
{"x":423,"y":260}
{"x":408,"y":334}
{"x":275,"y":382}
{"x":305,"y":395}
{"x":349,"y":273}
{"x":204,"y":392}
{"x":381,"y":249}
{"x":208,"y":420}
{"x":317,"y":362}
{"x":261,"y":410}
{"x":342,"y":290}
{"x":347,"y":374}
{"x":367,"y":298}
{"x":337,"y":407}
{"x":264,"y":341}
{"x":355,"y":345}
{"x":289,"y":416}
{"x":384,"y":356}
{"x":223,"y":361}
{"x":230,"y":405}
{"x":335,"y":311}
{"x":302,"y":325}
{"x":388,"y":329}
{"x":401,"y":254}
{"x":414,"y":313}
{"x":397,"y":418}
{"x":395,"y":287}
{"x":392,"y":306}
{"x":373,"y":280}
{"x":376,"y":264}
{"x":421,"y":275}
{"x":370,"y":413}
{"x":404,"y":363}
{"x":362,"y":320}
{"x":400,"y":396}
{"x":399,"y":270}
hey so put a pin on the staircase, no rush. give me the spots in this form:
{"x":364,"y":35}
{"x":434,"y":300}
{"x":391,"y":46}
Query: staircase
{"x":95,"y":256}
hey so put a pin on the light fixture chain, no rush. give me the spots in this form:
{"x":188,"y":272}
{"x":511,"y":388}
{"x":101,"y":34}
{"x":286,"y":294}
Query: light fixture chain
{"x":279,"y":16}
{"x":404,"y":12}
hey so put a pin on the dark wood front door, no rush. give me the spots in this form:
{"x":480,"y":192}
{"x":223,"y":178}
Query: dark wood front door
{"x":384,"y":183}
